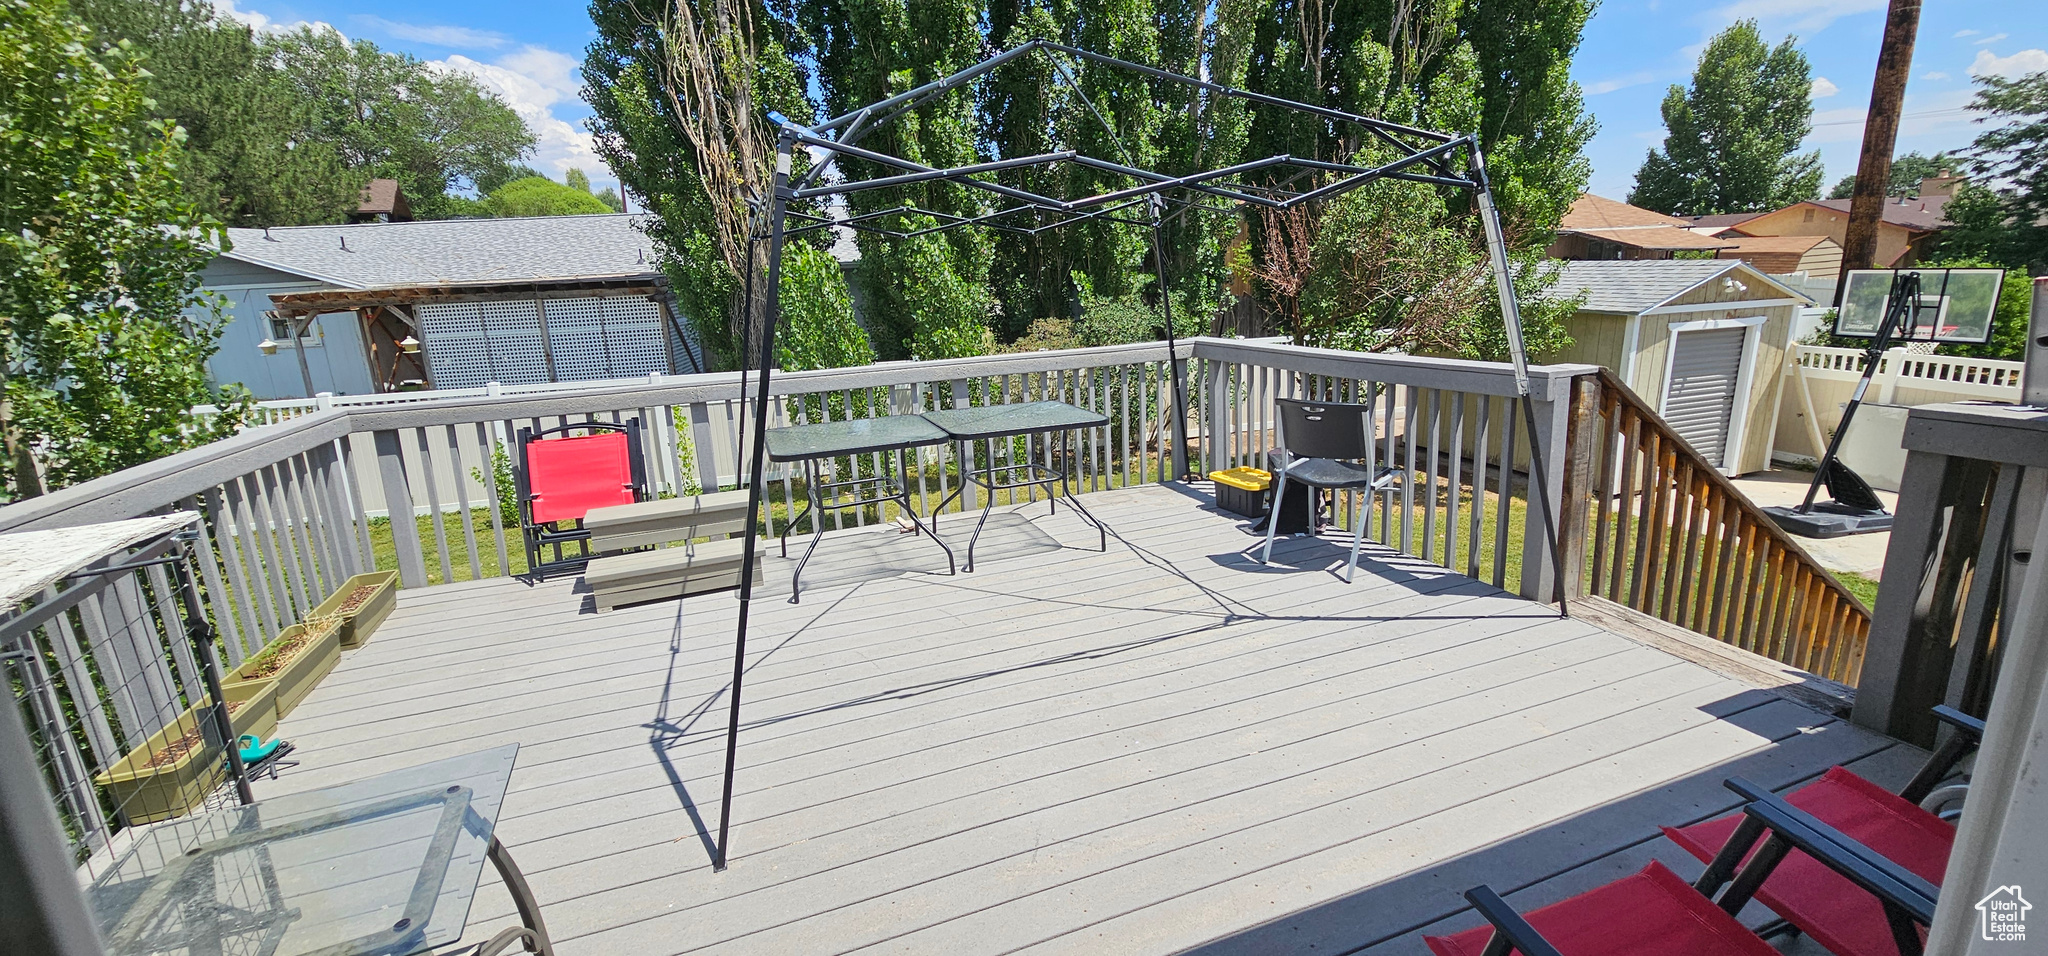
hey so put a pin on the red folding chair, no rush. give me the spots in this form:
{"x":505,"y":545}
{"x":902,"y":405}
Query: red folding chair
{"x":560,"y":479}
{"x":1814,"y":899}
{"x":1654,"y":913}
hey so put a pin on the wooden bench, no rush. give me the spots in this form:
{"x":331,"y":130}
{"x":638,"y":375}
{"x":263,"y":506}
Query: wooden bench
{"x":645,"y":523}
{"x":666,"y":572}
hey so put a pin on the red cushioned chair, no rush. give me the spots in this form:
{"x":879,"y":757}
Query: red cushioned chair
{"x":1654,"y":913}
{"x":1820,"y":903}
{"x":559,"y":479}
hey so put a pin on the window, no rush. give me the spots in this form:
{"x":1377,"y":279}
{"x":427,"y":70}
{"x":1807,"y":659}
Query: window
{"x":281,"y":331}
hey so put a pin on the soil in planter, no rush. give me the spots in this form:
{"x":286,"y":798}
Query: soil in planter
{"x":278,"y":654}
{"x":177,"y":749}
{"x":356,"y":599}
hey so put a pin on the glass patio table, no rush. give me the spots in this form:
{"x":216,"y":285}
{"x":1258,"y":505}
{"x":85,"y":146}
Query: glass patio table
{"x":822,"y":441}
{"x":988,"y":422}
{"x":384,"y":866}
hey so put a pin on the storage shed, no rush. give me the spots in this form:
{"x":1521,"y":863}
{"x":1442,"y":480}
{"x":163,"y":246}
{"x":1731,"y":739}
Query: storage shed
{"x":1702,"y":340}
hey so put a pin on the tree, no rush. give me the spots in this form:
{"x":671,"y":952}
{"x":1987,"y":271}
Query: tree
{"x":611,"y":200}
{"x":576,"y":179}
{"x":2006,"y":220}
{"x":540,"y":196}
{"x":491,"y":179}
{"x":107,"y":334}
{"x":1907,"y":172}
{"x":246,"y":159}
{"x":389,"y":115}
{"x":1731,"y":141}
{"x":926,"y":297}
{"x":680,"y":94}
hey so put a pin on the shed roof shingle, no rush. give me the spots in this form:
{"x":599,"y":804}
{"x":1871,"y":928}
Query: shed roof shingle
{"x":1632,"y":285}
{"x":380,"y":254}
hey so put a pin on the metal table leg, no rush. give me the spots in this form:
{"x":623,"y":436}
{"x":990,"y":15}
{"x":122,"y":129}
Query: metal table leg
{"x":815,"y":508}
{"x":533,"y":933}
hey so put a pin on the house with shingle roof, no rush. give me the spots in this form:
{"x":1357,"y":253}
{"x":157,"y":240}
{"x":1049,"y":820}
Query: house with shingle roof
{"x":1904,"y":228}
{"x":1596,"y":227}
{"x":380,"y":306}
{"x":1699,"y":339}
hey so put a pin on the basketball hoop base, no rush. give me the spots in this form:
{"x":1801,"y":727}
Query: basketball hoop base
{"x":1829,"y":519}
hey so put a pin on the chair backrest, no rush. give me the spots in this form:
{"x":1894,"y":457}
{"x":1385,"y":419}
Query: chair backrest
{"x":1325,"y":429}
{"x":566,"y":477}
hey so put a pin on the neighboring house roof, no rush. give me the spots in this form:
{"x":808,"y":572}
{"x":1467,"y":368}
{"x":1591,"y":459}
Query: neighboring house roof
{"x":1598,"y":212}
{"x":1798,"y":245}
{"x":1630,"y":286}
{"x":1632,"y":226}
{"x":1661,"y":238}
{"x":1917,"y":213}
{"x":382,"y":197}
{"x":1718,"y":222}
{"x":381,"y":254}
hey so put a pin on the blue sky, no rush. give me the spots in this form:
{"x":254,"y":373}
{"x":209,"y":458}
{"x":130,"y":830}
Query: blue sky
{"x":529,"y":53}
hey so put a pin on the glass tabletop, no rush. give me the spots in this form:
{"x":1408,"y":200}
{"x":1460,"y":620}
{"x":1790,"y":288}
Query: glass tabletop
{"x":852,"y":437}
{"x":1002,"y":421}
{"x":383,"y":866}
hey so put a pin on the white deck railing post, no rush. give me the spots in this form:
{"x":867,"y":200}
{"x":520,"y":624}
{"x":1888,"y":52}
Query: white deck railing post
{"x":405,"y":534}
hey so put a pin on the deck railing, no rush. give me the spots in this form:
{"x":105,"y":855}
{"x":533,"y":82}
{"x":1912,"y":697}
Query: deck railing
{"x":290,"y":510}
{"x":1667,"y":534}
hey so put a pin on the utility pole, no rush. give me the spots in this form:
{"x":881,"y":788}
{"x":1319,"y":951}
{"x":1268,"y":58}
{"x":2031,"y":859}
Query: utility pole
{"x":1880,"y":137}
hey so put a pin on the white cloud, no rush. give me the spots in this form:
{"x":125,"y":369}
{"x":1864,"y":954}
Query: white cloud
{"x":1994,"y":38}
{"x":532,"y":80}
{"x":455,"y":38}
{"x":1824,"y":88}
{"x":2010,"y":67}
{"x":262,"y":23}
{"x":1611,"y":84}
{"x":1930,"y":77}
{"x":1799,"y":16}
{"x":1964,"y":33}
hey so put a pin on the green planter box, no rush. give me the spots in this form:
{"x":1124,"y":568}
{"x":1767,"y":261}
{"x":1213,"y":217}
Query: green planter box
{"x":298,"y":676}
{"x":146,"y":794}
{"x":356,"y":625}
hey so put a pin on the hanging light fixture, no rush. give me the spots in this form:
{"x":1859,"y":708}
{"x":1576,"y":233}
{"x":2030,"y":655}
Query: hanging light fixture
{"x":268,"y":346}
{"x":409,"y":345}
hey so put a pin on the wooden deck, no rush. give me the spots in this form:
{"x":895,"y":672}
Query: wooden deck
{"x":1157,"y":749}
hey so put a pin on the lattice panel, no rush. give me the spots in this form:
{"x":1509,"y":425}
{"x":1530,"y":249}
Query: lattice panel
{"x":606,"y":338}
{"x":638,"y":342}
{"x":576,"y":332}
{"x":457,"y":351}
{"x":517,"y":355}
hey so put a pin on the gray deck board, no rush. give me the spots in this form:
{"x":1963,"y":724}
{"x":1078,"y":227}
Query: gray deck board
{"x":1160,"y":748}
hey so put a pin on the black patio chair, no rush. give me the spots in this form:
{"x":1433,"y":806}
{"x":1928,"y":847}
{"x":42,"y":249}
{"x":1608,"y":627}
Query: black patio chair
{"x":1328,"y":446}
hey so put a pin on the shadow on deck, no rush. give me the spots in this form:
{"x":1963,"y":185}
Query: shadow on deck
{"x":1160,"y":748}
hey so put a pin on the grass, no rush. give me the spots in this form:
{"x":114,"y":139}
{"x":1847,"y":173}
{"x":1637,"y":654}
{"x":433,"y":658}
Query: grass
{"x":1864,"y":588}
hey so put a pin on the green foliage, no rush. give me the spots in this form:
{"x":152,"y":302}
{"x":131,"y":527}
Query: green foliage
{"x":928,"y":296}
{"x":285,"y":129}
{"x":390,"y":116}
{"x":1731,"y":141}
{"x":247,"y":159}
{"x":489,"y":180}
{"x":576,"y":179}
{"x":611,"y":200}
{"x":818,"y":329}
{"x":2005,"y":218}
{"x":644,"y":91}
{"x":2008,"y":321}
{"x":501,"y":477}
{"x":1907,"y":172}
{"x":107,"y":334}
{"x":540,"y":196}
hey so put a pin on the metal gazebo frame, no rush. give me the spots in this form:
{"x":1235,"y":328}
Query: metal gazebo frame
{"x":1426,"y":158}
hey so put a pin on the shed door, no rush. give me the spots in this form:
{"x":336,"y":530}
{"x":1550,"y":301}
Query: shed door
{"x":1701,"y":397}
